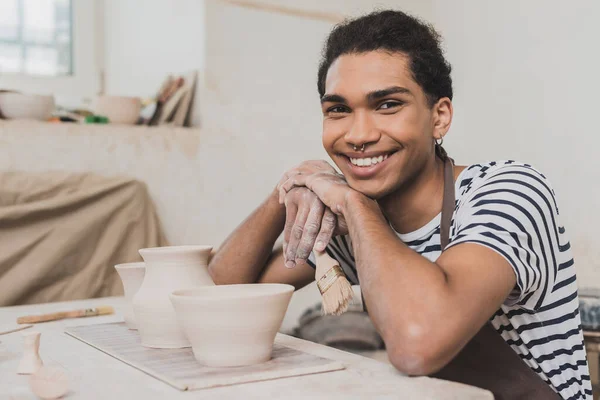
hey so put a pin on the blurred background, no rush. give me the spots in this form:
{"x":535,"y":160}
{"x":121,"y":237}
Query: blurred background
{"x":201,"y":105}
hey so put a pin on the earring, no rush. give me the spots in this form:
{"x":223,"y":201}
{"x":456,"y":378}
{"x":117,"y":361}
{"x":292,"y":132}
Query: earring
{"x":439,"y":141}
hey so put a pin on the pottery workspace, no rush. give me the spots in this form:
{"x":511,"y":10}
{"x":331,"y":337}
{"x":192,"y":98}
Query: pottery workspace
{"x":201,"y":337}
{"x":190,"y":336}
{"x":259,"y":199}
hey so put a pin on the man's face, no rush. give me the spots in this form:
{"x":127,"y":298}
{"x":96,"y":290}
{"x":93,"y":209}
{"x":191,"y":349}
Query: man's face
{"x":372,"y":99}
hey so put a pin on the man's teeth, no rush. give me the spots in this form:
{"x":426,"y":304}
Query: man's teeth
{"x":367,"y":162}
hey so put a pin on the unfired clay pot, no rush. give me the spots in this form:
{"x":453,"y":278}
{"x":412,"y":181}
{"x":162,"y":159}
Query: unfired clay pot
{"x":30,"y":361}
{"x":132,"y":276}
{"x":232,"y":325}
{"x":49,"y":383}
{"x":26,"y":106}
{"x":119,"y":109}
{"x":167,"y":269}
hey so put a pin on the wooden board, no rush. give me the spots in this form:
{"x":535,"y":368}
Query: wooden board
{"x":179,"y":368}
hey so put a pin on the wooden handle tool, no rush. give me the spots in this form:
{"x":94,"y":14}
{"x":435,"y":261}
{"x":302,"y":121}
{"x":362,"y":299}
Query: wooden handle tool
{"x":88,"y":312}
{"x":335,"y":289}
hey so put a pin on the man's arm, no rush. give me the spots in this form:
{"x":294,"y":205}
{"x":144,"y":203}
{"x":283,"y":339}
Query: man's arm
{"x":502,"y":252}
{"x":426,"y":312}
{"x":247,"y":255}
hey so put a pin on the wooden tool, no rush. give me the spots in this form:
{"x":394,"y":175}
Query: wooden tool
{"x":88,"y":312}
{"x":10,"y":328}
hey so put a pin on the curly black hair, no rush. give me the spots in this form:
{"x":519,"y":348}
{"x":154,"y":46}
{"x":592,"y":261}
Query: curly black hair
{"x":393,"y":31}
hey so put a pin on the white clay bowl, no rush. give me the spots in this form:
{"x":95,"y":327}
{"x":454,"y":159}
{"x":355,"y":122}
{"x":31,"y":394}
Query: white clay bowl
{"x":119,"y":109}
{"x":26,"y":106}
{"x":232,"y":325}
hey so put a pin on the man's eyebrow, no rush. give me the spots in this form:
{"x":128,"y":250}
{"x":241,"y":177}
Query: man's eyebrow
{"x":333,"y":98}
{"x":379,"y":94}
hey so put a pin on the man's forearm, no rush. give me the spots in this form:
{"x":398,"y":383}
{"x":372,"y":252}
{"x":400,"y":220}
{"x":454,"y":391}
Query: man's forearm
{"x":244,"y":254}
{"x":392,"y":276}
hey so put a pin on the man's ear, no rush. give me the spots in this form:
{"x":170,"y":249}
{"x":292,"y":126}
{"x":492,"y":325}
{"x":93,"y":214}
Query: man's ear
{"x":442,"y":117}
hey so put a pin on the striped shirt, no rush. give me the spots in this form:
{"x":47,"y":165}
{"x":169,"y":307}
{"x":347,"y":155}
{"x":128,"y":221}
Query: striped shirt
{"x":511,"y":208}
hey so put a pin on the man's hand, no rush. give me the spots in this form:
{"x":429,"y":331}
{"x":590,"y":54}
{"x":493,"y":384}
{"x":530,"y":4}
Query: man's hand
{"x":330,"y":187}
{"x":308,"y":221}
{"x":304,"y":168}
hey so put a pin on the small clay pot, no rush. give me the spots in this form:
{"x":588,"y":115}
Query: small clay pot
{"x":26,"y":106}
{"x":49,"y":383}
{"x":132,"y":276}
{"x":118,"y":109}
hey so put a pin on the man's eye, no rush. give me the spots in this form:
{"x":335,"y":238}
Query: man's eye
{"x":389,"y":104}
{"x":337,"y":110}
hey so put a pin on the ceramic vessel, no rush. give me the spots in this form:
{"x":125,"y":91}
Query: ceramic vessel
{"x":30,"y":361}
{"x":119,"y":110}
{"x":26,"y":106}
{"x":167,"y":269}
{"x":49,"y":383}
{"x":232,"y":325}
{"x":132,"y":275}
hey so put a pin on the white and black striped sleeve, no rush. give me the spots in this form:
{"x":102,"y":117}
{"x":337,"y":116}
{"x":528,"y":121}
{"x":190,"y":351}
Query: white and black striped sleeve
{"x":512,"y":210}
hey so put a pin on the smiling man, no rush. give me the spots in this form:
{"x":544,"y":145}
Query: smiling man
{"x":503,"y":257}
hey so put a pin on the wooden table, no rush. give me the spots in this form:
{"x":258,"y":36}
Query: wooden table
{"x":95,"y":375}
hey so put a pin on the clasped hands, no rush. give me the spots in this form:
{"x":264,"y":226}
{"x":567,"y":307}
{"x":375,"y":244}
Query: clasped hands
{"x":314,"y":194}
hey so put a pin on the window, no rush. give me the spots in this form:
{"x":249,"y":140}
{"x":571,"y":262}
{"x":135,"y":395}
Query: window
{"x":52,"y":47}
{"x":36,"y":37}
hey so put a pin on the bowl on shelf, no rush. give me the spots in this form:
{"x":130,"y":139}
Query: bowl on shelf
{"x":119,"y":109}
{"x":232,"y":325}
{"x":26,"y":106}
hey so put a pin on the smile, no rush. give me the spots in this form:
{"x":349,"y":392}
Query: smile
{"x":366,"y":166}
{"x":368,"y":161}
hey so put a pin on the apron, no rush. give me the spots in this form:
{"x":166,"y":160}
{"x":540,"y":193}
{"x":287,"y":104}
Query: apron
{"x":487,"y":361}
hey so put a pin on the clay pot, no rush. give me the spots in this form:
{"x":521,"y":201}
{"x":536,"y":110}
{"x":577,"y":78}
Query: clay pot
{"x":49,"y":383}
{"x":26,"y":106}
{"x":132,"y":276}
{"x":118,"y":109}
{"x":31,"y":361}
{"x":232,"y":325}
{"x":167,"y":269}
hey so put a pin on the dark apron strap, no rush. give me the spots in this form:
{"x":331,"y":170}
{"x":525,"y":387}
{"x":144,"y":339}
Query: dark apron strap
{"x":447,"y":203}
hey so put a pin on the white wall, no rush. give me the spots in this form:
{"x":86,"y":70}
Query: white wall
{"x":254,"y":48}
{"x":146,"y":41}
{"x":526,"y":87}
{"x":261,"y":88}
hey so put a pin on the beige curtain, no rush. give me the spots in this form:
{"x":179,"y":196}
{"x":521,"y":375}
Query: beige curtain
{"x":61,"y":234}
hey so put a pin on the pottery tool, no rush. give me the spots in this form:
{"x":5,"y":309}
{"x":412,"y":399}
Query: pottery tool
{"x":5,"y":329}
{"x":333,"y":285}
{"x":88,"y":312}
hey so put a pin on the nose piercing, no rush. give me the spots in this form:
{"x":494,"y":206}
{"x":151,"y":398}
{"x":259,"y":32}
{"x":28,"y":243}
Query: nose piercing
{"x":362,"y":148}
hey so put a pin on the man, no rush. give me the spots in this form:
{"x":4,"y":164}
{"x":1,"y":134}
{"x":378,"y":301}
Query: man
{"x":386,"y":96}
